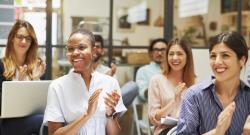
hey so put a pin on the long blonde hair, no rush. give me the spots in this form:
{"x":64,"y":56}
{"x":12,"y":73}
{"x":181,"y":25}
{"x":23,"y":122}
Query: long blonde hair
{"x":10,"y":60}
{"x":188,"y":71}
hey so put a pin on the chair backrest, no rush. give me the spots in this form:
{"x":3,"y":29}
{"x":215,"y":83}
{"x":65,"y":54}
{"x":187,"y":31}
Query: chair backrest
{"x":143,"y":123}
{"x":172,"y":131}
{"x":43,"y":129}
{"x":129,"y":91}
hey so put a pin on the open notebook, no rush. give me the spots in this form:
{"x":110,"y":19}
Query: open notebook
{"x":169,"y":120}
{"x":23,"y":98}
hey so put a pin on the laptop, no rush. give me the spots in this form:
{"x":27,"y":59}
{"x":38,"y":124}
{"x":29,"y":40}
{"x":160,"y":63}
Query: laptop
{"x":23,"y":98}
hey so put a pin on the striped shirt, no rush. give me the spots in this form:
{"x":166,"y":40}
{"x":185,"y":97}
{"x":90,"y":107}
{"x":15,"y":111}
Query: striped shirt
{"x":201,"y":108}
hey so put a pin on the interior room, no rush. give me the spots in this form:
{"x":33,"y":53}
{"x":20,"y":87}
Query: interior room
{"x":127,"y":28}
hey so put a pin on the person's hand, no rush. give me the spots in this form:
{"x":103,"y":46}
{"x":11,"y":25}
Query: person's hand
{"x":179,"y":90}
{"x":111,"y":101}
{"x":112,"y":71}
{"x":224,"y":119}
{"x":22,"y":72}
{"x":93,"y":102}
{"x":246,"y":128}
{"x":39,"y":70}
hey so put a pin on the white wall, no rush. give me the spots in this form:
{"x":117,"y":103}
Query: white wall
{"x":213,"y":15}
{"x":82,"y":8}
{"x":201,"y":63}
{"x":100,"y":8}
{"x":202,"y":67}
{"x":141,"y":34}
{"x":246,"y":71}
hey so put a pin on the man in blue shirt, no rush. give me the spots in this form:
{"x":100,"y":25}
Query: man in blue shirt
{"x":157,"y":54}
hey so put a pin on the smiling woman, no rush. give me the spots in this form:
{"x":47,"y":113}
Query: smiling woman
{"x":21,"y":51}
{"x":96,"y":96}
{"x":218,"y":105}
{"x":166,"y":90}
{"x":21,"y":62}
{"x":83,"y":43}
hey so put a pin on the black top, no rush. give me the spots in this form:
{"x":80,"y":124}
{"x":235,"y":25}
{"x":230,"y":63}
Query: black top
{"x":2,"y":78}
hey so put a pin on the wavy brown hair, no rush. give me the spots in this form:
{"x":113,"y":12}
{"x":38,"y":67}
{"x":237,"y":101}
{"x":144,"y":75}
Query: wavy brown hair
{"x":10,"y":60}
{"x":188,"y":71}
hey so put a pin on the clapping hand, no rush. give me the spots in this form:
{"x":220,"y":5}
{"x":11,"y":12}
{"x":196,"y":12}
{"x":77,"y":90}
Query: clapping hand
{"x":93,"y":102}
{"x":111,"y":101}
{"x":22,"y":72}
{"x":112,"y":71}
{"x":224,"y":119}
{"x":246,"y":128}
{"x":39,"y":70}
{"x":179,"y":89}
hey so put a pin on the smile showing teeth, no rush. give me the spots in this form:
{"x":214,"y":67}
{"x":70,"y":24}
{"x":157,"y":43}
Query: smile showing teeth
{"x":176,"y":63}
{"x":219,"y":70}
{"x":76,"y":60}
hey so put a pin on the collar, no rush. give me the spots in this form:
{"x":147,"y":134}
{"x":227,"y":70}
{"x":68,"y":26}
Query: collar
{"x":71,"y":71}
{"x":154,"y":64}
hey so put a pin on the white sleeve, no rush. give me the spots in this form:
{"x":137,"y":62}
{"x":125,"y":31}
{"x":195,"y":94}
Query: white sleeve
{"x":53,"y":110}
{"x":120,"y":107}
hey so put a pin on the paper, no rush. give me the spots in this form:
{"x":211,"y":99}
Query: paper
{"x":169,"y":120}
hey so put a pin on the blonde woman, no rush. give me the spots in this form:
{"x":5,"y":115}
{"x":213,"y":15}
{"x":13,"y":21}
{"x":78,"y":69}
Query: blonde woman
{"x":166,"y":89}
{"x":21,"y":63}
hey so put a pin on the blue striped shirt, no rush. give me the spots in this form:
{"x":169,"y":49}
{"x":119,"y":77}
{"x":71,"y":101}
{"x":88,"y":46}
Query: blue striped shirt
{"x":201,"y":108}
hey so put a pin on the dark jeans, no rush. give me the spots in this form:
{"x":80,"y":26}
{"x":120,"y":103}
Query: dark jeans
{"x":29,"y":125}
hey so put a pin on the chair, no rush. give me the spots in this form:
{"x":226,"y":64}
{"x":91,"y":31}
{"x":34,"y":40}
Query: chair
{"x":140,"y":124}
{"x":129,"y":91}
{"x":172,"y":131}
{"x":43,"y":129}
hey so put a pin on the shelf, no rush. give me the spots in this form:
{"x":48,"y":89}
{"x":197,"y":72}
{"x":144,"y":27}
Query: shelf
{"x":235,"y":13}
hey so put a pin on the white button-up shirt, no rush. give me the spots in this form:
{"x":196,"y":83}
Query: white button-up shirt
{"x":68,"y":100}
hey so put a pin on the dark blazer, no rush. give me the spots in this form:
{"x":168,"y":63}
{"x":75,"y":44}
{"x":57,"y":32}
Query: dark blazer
{"x":2,"y":78}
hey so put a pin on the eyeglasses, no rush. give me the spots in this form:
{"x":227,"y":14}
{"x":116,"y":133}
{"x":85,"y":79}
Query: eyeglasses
{"x":80,"y":47}
{"x":159,"y":49}
{"x":21,"y":37}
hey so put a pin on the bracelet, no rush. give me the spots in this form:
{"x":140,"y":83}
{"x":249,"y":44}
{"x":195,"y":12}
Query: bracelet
{"x":113,"y":115}
{"x":109,"y":116}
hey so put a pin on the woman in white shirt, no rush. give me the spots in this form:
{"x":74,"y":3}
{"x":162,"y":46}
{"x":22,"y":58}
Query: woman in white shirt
{"x":83,"y":102}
